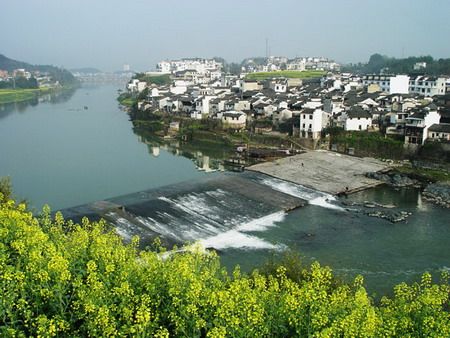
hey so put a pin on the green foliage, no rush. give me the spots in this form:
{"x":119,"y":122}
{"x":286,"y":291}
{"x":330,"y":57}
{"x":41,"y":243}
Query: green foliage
{"x":20,"y":83}
{"x":368,"y":143}
{"x":377,"y":62}
{"x":17,"y":95}
{"x":159,"y":80}
{"x":63,"y":76}
{"x":424,"y":174}
{"x":5,"y":189}
{"x":63,"y":279}
{"x":126,"y":99}
{"x":307,"y":74}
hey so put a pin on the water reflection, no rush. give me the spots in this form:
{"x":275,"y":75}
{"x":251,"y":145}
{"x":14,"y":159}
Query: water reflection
{"x":206,"y":155}
{"x":64,"y":95}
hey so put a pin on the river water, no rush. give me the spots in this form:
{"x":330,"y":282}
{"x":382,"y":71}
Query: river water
{"x":60,"y":153}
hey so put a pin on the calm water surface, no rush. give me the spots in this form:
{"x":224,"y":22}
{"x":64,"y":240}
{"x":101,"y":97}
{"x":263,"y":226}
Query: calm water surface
{"x":65,"y":155}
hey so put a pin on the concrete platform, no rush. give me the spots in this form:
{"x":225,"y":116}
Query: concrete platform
{"x":325,"y":171}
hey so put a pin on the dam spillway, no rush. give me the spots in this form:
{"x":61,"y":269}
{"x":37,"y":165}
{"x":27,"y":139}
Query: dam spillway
{"x":221,"y":210}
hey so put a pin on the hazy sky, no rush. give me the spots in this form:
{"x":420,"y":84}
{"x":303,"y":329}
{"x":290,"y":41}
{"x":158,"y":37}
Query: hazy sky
{"x":108,"y":33}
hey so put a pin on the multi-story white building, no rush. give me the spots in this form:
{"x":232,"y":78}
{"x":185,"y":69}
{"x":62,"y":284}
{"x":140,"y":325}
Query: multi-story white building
{"x":383,"y":81}
{"x":403,"y":84}
{"x":398,"y":84}
{"x":428,"y":85}
{"x":417,"y":124}
{"x":201,"y":66}
{"x":312,"y":121}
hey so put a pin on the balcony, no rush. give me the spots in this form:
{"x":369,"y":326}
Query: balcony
{"x":415,"y":123}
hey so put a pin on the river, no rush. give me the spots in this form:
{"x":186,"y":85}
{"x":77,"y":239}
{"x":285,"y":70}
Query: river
{"x":81,"y":148}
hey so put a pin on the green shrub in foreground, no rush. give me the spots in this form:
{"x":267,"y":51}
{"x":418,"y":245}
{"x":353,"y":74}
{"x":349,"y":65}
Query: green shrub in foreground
{"x":63,"y":279}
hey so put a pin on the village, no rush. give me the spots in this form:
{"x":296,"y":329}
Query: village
{"x":303,"y":97}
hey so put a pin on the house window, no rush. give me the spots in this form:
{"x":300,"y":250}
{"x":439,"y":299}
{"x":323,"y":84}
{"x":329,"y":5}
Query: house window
{"x":310,"y":126}
{"x":310,"y":117}
{"x":304,"y":116}
{"x":304,"y":126}
{"x":359,"y":127}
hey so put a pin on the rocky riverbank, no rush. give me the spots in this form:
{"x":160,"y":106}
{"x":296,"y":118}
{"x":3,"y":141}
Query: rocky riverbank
{"x":394,"y":179}
{"x":438,"y":193}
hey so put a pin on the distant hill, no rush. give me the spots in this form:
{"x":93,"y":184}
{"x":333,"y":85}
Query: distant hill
{"x":378,"y":62}
{"x":86,"y":70}
{"x":58,"y":74}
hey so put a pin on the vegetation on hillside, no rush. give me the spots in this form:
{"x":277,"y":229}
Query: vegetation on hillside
{"x":365,"y":143}
{"x":63,"y":76}
{"x":63,"y":279}
{"x":20,"y":83}
{"x":126,"y":99}
{"x":378,"y":62}
{"x":294,"y":74}
{"x":159,"y":80}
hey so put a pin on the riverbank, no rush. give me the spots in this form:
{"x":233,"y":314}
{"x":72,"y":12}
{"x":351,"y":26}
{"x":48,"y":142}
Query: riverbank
{"x":21,"y":95}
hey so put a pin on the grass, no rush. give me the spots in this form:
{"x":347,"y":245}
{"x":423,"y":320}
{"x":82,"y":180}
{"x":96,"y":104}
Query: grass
{"x":434,"y":175}
{"x":20,"y":95}
{"x":159,"y":80}
{"x":290,"y":74}
{"x":127,"y":102}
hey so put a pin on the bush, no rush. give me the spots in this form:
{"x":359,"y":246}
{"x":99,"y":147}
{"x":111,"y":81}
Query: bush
{"x":63,"y":279}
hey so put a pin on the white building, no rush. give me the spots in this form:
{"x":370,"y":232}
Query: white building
{"x":428,"y":85}
{"x":164,"y":67}
{"x":439,"y":132}
{"x":201,"y":66}
{"x":357,"y":119}
{"x":234,"y":120}
{"x":279,"y":85}
{"x":312,"y":121}
{"x":417,"y":124}
{"x":399,"y":84}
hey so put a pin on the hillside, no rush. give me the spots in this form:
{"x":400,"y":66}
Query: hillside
{"x":58,"y":74}
{"x":378,"y":62}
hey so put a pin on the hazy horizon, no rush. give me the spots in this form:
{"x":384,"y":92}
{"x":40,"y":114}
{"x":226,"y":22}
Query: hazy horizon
{"x":108,"y":34}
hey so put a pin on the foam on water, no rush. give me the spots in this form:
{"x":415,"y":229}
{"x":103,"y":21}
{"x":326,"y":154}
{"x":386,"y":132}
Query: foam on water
{"x":237,"y":238}
{"x":261,"y":224}
{"x":313,"y":197}
{"x":218,"y":218}
{"x":234,"y":239}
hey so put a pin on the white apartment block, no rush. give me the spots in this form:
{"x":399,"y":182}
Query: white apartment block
{"x":312,"y":121}
{"x":428,"y":85}
{"x":201,"y":66}
{"x":398,"y":84}
{"x":403,"y":84}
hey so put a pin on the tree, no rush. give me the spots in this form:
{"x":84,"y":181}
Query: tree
{"x":5,"y":189}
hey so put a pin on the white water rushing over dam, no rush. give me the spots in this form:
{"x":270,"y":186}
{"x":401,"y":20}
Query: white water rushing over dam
{"x":312,"y":196}
{"x":227,"y":211}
